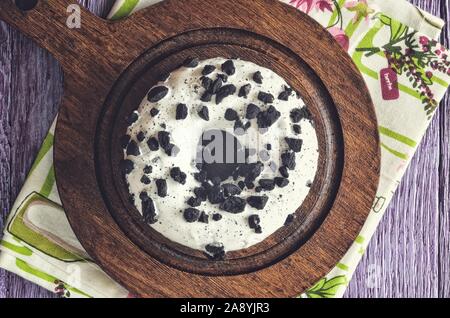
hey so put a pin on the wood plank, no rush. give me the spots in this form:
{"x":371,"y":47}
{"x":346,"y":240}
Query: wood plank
{"x":444,"y":173}
{"x":5,"y":131}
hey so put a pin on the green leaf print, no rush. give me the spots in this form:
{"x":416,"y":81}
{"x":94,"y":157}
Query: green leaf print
{"x":327,"y":288}
{"x":397,"y":29}
{"x":418,"y":58}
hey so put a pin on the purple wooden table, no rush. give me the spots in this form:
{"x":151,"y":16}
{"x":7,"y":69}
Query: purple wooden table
{"x":409,"y":255}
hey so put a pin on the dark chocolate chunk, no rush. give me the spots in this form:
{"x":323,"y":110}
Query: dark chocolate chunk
{"x":284,"y":171}
{"x":208,"y":69}
{"x":200,"y":176}
{"x":298,"y":114}
{"x":290,"y":218}
{"x":124,"y":140}
{"x":253,"y":221}
{"x":191,"y":62}
{"x":191,"y":215}
{"x":297,"y":129}
{"x":258,"y":202}
{"x":233,"y":205}
{"x":244,"y":90}
{"x":178,"y":175}
{"x":148,"y":169}
{"x":267,"y":184}
{"x":215,"y":252}
{"x":132,"y":118}
{"x":161,"y":185}
{"x":194,"y":202}
{"x":172,"y":150}
{"x":268,"y":118}
{"x":153,"y":144}
{"x":269,"y":147}
{"x":148,"y":210}
{"x":231,"y":189}
{"x":258,"y":229}
{"x":224,"y":92}
{"x":288,"y":160}
{"x":206,"y":185}
{"x":241,"y":185}
{"x":257,"y":77}
{"x":133,"y":149}
{"x":252,"y":111}
{"x":154,"y":112}
{"x":251,"y":171}
{"x":216,"y":85}
{"x":140,"y":136}
{"x":309,"y":184}
{"x":223,"y":77}
{"x":284,"y":95}
{"x":145,"y":179}
{"x":206,"y":97}
{"x":294,"y":144}
{"x":258,"y":189}
{"x":204,"y":218}
{"x":249,"y":185}
{"x":126,"y":166}
{"x":216,"y":181}
{"x":143,"y":196}
{"x":228,"y":67}
{"x":203,"y":113}
{"x":239,"y":128}
{"x":157,"y":93}
{"x":217,"y":217}
{"x":231,"y":114}
{"x":281,"y":182}
{"x":182,"y":112}
{"x":215,"y":195}
{"x":200,"y":193}
{"x":266,"y":98}
{"x":206,"y":83}
{"x":164,"y":139}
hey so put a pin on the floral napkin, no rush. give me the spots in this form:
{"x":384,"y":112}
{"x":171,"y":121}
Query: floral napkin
{"x":394,"y":45}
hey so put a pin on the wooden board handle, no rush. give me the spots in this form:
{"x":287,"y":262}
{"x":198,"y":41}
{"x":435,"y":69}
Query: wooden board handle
{"x":47,"y":24}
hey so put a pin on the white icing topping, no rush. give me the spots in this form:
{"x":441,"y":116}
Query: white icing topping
{"x":232,"y":230}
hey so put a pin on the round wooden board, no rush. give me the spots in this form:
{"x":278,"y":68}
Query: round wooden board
{"x":108,"y":69}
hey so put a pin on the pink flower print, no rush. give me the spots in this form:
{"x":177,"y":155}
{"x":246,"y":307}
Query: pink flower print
{"x":307,"y":5}
{"x":340,"y":37}
{"x":424,"y":40}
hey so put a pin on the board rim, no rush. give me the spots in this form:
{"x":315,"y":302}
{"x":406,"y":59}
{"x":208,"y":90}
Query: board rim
{"x":60,"y":157}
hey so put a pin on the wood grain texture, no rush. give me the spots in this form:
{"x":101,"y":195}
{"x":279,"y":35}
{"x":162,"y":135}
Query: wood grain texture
{"x":419,"y":213}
